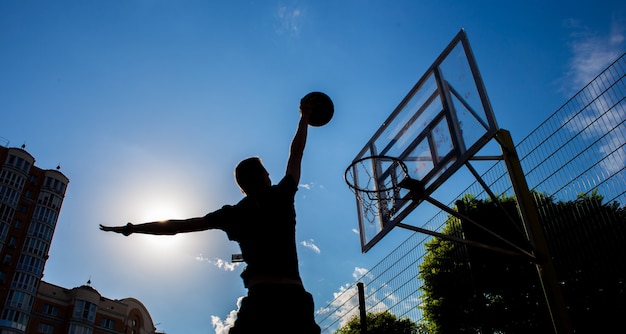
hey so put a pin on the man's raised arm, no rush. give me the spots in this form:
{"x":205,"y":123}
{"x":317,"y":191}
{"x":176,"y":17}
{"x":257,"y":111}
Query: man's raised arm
{"x":299,"y":142}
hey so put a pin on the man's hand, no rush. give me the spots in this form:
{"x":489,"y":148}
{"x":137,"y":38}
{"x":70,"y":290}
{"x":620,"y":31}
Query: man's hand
{"x":126,"y":230}
{"x":306,"y":108}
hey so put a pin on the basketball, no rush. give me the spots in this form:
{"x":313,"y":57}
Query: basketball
{"x":323,"y":108}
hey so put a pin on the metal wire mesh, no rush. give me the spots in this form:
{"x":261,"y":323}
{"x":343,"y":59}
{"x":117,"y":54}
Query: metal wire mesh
{"x":579,"y":149}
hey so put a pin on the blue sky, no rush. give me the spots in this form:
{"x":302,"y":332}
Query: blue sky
{"x":147,"y":106}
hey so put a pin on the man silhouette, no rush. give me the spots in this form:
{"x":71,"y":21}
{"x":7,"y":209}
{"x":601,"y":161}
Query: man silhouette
{"x":263,"y":223}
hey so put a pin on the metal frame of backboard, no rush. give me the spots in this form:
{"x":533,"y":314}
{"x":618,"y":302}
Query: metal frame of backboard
{"x":438,"y":104}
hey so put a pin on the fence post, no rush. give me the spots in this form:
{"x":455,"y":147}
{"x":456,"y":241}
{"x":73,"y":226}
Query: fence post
{"x":362,"y":312}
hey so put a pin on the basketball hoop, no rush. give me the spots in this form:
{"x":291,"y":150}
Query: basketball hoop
{"x":377,"y":182}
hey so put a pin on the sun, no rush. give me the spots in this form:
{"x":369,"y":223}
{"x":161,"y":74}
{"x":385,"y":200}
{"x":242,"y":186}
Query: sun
{"x":158,"y":196}
{"x":161,"y":210}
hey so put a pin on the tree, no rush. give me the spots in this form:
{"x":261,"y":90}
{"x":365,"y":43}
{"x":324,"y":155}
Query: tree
{"x":380,"y":323}
{"x":470,"y":290}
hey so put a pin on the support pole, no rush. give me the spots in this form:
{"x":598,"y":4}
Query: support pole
{"x":536,"y":235}
{"x":362,"y":311}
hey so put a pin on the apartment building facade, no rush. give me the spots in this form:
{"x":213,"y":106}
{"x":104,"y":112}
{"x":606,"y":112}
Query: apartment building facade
{"x":82,"y":310}
{"x":30,"y":203}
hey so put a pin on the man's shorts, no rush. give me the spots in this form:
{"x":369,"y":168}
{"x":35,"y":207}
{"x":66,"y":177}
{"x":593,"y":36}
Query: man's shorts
{"x":276,"y":308}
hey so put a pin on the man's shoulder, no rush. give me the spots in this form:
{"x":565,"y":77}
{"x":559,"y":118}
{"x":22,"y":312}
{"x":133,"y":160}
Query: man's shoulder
{"x":288,"y":182}
{"x":223,"y":213}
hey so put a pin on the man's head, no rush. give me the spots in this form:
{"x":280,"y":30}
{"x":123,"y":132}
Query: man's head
{"x":251,"y":176}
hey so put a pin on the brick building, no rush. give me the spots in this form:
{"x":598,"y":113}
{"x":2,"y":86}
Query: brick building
{"x":30,"y":203}
{"x":82,"y":310}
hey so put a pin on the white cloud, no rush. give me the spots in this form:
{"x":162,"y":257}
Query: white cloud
{"x":310,"y":185}
{"x":311,"y":245}
{"x":201,"y":258}
{"x":219,"y":263}
{"x":222,"y":327}
{"x":591,"y":53}
{"x":359,"y":272}
{"x":345,"y":304}
{"x":289,"y":20}
{"x":593,"y":126}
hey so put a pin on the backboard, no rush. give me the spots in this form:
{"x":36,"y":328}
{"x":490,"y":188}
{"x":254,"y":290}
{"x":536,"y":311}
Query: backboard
{"x":444,"y":120}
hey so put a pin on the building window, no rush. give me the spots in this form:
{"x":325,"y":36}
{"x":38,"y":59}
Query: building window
{"x":78,"y":329}
{"x":55,"y":184}
{"x":24,"y":281}
{"x":12,"y":180}
{"x":45,"y":329}
{"x":40,"y":230}
{"x":35,"y":247}
{"x":12,"y":242}
{"x":19,"y":300}
{"x":19,"y":162}
{"x":136,"y":325}
{"x":14,"y":319}
{"x":9,"y":195}
{"x":4,"y":230}
{"x":30,"y":263}
{"x":6,"y":212}
{"x":85,"y":310}
{"x":50,"y":200}
{"x":18,"y":223}
{"x":107,"y":323}
{"x":45,"y":215}
{"x":50,"y":310}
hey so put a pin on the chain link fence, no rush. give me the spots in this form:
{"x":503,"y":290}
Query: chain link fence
{"x":579,"y":150}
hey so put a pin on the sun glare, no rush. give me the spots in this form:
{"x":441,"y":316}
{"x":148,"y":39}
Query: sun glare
{"x":149,"y":194}
{"x":161,"y":210}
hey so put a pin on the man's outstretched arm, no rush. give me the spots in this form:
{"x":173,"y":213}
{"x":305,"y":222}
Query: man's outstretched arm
{"x":167,"y":227}
{"x":298,"y":142}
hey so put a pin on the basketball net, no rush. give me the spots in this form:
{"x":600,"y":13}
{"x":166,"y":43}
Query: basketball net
{"x":377,"y":201}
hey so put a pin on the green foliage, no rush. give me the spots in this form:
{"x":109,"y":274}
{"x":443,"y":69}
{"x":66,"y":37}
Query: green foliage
{"x":380,"y":323}
{"x":472,"y":290}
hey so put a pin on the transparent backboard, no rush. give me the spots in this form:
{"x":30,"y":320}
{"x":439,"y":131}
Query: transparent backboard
{"x":442,"y":122}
